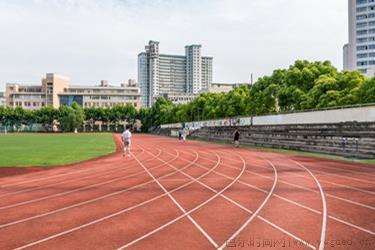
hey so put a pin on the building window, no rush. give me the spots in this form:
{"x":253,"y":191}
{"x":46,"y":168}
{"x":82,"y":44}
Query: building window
{"x":362,"y":32}
{"x":371,"y":62}
{"x":363,"y":71}
{"x":362,"y":55}
{"x":361,"y":2}
{"x":361,"y":24}
{"x":363,"y":47}
{"x":361,"y":9}
{"x":362,"y":63}
{"x":69,"y":99}
{"x":362,"y":40}
{"x":361,"y":17}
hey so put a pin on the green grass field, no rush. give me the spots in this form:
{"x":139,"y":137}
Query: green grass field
{"x":52,"y":149}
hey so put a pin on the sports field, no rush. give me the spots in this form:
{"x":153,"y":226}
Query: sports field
{"x":52,"y":149}
{"x":193,"y":195}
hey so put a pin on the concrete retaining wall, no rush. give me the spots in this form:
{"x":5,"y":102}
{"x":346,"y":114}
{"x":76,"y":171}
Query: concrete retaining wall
{"x":345,"y":132}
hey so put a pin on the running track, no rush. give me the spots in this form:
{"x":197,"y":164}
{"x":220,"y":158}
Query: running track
{"x":193,"y":195}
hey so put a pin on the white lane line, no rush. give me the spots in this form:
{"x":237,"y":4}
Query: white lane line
{"x":364,"y":171}
{"x":335,"y":183}
{"x":255,"y":214}
{"x":53,"y":175}
{"x":305,"y":243}
{"x":280,"y":197}
{"x":69,"y":192}
{"x":349,"y":171}
{"x":299,"y":204}
{"x":315,"y":191}
{"x":263,"y":219}
{"x":349,"y":187}
{"x":91,"y":200}
{"x":190,"y":211}
{"x":178,"y":204}
{"x":286,"y":232}
{"x":119,"y":212}
{"x":352,"y":225}
{"x":88,"y":224}
{"x":343,"y":176}
{"x":95,"y":173}
{"x":72,"y":191}
{"x":324,"y":204}
{"x":301,"y":187}
{"x":309,"y":208}
{"x":339,"y":185}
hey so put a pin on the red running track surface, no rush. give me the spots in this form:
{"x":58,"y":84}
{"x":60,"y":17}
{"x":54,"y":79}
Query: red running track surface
{"x":193,"y":195}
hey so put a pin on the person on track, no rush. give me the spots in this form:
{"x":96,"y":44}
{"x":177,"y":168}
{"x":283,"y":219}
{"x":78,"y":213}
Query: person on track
{"x":179,"y":134}
{"x":236,"y":138}
{"x":184,"y":134}
{"x":126,"y":139}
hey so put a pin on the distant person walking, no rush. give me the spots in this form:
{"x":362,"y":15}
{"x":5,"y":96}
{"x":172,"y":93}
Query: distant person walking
{"x":180,"y":134}
{"x":184,"y":134}
{"x":126,"y":139}
{"x":236,"y":138}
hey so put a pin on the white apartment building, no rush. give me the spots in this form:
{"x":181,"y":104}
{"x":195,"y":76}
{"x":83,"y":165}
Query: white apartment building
{"x":172,"y":75}
{"x":56,"y":90}
{"x":359,"y":53}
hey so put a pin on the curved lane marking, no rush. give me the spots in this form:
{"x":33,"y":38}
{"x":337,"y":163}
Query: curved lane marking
{"x":255,"y":214}
{"x":324,"y":204}
{"x":113,"y":214}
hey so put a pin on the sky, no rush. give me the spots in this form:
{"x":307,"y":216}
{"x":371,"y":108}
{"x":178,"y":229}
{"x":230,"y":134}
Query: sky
{"x":93,"y":40}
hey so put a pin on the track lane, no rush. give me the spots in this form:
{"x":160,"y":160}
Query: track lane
{"x":217,"y":193}
{"x":255,"y":181}
{"x":346,"y":223}
{"x":135,"y":206}
{"x":60,"y":171}
{"x":306,"y":243}
{"x":57,"y":207}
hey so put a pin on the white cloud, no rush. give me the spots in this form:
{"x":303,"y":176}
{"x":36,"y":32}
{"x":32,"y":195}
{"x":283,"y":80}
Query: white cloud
{"x":90,"y":40}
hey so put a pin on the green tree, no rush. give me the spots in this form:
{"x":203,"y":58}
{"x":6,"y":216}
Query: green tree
{"x":46,"y":116}
{"x":71,"y":118}
{"x":366,"y":93}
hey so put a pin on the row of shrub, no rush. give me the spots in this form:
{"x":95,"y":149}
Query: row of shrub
{"x":68,"y":118}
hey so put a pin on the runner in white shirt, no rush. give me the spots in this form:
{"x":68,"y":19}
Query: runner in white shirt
{"x":127,"y":138}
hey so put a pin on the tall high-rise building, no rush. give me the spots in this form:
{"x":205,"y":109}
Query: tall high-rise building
{"x":161,"y":75}
{"x":359,"y":53}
